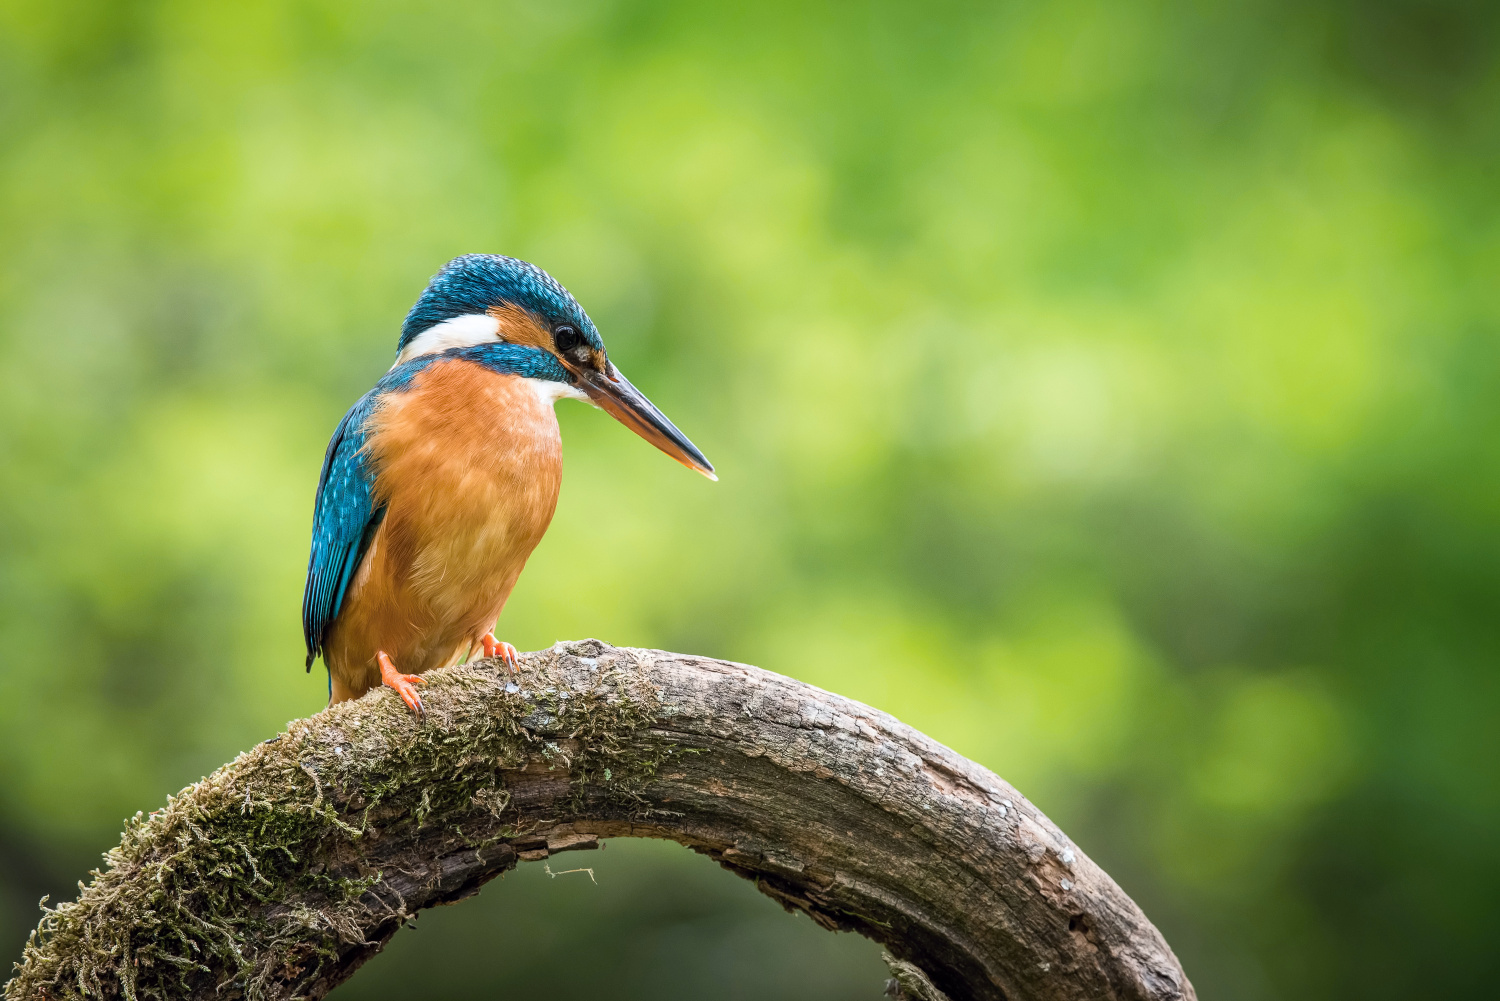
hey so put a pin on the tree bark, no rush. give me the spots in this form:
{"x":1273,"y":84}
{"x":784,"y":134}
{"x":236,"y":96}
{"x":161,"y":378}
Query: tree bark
{"x":282,"y":872}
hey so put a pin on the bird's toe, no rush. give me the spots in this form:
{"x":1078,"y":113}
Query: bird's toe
{"x":502,"y":649}
{"x":408,"y":692}
{"x":404,"y":684}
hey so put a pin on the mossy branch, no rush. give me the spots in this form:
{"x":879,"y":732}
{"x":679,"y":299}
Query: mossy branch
{"x":282,"y":872}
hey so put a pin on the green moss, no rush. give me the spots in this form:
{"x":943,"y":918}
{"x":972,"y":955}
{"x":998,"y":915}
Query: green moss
{"x":242,"y":881}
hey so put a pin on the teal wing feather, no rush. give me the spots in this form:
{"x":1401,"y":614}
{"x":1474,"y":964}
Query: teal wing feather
{"x":346,"y":513}
{"x":345,"y":517}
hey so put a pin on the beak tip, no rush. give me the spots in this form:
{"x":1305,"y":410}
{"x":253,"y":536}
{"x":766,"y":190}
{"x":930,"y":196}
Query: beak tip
{"x":625,"y":403}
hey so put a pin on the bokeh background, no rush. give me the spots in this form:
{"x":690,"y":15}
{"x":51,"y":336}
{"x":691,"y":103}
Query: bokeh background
{"x":1109,"y":388}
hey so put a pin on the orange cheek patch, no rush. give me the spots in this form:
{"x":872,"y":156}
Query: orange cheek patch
{"x":520,"y":326}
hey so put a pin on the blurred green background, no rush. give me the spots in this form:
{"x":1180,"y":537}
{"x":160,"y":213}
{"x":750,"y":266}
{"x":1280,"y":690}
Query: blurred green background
{"x":1110,"y":389}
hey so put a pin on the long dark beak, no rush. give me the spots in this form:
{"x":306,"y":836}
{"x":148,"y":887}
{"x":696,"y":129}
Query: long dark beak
{"x":612,"y":392}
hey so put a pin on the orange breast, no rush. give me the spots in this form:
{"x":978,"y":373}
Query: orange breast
{"x":468,"y":463}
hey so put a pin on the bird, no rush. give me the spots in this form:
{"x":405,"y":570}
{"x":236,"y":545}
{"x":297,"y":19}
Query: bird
{"x":441,"y":480}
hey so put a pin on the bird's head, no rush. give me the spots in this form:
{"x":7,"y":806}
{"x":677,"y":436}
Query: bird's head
{"x":481,"y":299}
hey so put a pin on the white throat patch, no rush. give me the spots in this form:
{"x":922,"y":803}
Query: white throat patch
{"x":459,"y":332}
{"x":550,"y":392}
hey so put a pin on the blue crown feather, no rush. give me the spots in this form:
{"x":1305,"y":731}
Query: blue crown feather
{"x":474,"y":283}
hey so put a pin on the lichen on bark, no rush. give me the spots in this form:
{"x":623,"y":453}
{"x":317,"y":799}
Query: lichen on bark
{"x":279,"y":874}
{"x":267,"y":870}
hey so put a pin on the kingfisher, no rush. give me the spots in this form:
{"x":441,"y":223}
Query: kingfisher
{"x":441,"y":480}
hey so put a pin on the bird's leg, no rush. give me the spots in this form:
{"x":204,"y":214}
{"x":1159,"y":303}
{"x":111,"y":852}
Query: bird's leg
{"x":494,"y":647}
{"x":404,"y":684}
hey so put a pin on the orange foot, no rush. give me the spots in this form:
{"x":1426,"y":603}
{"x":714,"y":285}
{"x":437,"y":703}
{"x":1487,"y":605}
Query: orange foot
{"x":404,"y":684}
{"x":500,"y":648}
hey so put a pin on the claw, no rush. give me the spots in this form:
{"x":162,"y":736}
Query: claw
{"x":500,"y":648}
{"x":404,"y":684}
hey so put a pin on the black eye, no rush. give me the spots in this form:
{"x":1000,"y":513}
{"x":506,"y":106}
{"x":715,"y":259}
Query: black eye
{"x":566,"y":338}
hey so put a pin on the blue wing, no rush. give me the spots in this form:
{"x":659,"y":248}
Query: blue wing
{"x":344,"y":521}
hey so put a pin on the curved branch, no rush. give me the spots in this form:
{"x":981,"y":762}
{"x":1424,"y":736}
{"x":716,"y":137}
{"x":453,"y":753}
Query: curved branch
{"x":282,"y":872}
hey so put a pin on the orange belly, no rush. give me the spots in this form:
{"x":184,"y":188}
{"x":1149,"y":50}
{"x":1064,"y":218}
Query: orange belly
{"x":468,"y":463}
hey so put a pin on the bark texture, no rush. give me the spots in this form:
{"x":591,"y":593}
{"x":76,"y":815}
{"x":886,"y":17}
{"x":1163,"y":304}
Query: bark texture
{"x":278,"y":875}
